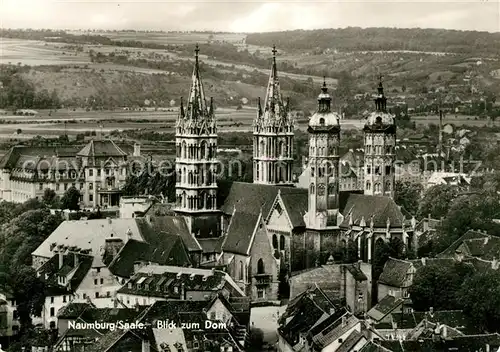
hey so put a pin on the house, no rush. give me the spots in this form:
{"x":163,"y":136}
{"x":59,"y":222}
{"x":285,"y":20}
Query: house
{"x":152,"y":283}
{"x":98,"y":170}
{"x":130,"y":207}
{"x":226,"y":330}
{"x":9,"y":320}
{"x":340,"y":282}
{"x":80,"y":325}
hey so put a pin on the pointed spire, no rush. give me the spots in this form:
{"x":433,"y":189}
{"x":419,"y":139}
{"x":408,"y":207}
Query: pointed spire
{"x":197,"y":106}
{"x":274,"y":100}
{"x":324,"y":99}
{"x":182,"y":108}
{"x":324,"y":89}
{"x":260,"y":108}
{"x":211,"y":111}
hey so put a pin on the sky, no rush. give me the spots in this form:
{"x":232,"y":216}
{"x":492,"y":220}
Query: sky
{"x":249,"y":16}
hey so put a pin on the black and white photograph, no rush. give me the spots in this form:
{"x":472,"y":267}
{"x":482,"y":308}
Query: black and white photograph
{"x":249,"y":176}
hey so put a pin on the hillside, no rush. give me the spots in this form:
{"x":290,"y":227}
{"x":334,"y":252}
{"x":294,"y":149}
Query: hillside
{"x":375,"y":39}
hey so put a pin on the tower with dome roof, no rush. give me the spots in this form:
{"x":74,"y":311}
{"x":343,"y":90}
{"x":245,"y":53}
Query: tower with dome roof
{"x":380,"y":143}
{"x":324,"y":141}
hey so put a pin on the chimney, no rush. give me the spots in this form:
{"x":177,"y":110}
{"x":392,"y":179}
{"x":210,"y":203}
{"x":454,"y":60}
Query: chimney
{"x":486,"y":239}
{"x":344,"y":321}
{"x":424,"y":261}
{"x":76,"y":259}
{"x":137,"y":266}
{"x":61,"y":258}
{"x":137,"y":149}
{"x":145,"y":346}
{"x":444,"y":331}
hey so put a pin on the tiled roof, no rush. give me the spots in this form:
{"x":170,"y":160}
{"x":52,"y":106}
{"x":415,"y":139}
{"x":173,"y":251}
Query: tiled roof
{"x":384,"y":307}
{"x":211,"y":245}
{"x":101,"y":148}
{"x":73,"y":310}
{"x":373,"y":347}
{"x":443,"y":262}
{"x":18,"y":155}
{"x":394,"y":273}
{"x":252,"y":198}
{"x":453,"y":318}
{"x":162,"y":281}
{"x":335,"y":330}
{"x":485,"y":248}
{"x":350,"y":341}
{"x":50,"y":273}
{"x":171,"y":252}
{"x":296,"y":204}
{"x":175,"y":225}
{"x":471,"y":234}
{"x":356,"y":272}
{"x":239,"y":232}
{"x":365,"y":207}
{"x":302,"y":313}
{"x":89,"y":234}
{"x":460,"y":343}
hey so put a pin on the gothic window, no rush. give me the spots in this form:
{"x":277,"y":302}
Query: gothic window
{"x":312,"y":170}
{"x":321,"y":189}
{"x":282,"y":243}
{"x":203,"y":150}
{"x":242,"y":268}
{"x":184,"y":149}
{"x":262,"y":148}
{"x":190,"y":178}
{"x":311,"y":188}
{"x":184,"y":175}
{"x":209,"y":177}
{"x":377,"y":187}
{"x":183,"y":199}
{"x":388,"y":186}
{"x":282,"y":148}
{"x":332,"y":188}
{"x":201,"y":200}
{"x":368,"y":170}
{"x":377,"y":170}
{"x":260,"y":267}
{"x":275,"y":242}
{"x":257,"y":171}
{"x":388,"y":170}
{"x":368,"y":185}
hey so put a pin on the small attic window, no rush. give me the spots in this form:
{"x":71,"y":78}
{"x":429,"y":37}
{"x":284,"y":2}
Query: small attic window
{"x":322,"y":121}
{"x":378,"y":119}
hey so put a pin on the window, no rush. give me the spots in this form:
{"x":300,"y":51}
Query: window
{"x":282,"y":243}
{"x":64,"y":299}
{"x":91,"y":172}
{"x":176,"y":289}
{"x":260,"y":267}
{"x":97,"y":295}
{"x":51,"y":299}
{"x":91,"y":198}
{"x":40,"y":186}
{"x":52,"y":311}
{"x":102,"y":281}
{"x":212,"y":316}
{"x":388,"y":170}
{"x":242,"y":269}
{"x":84,"y":295}
{"x":57,"y":186}
{"x":95,"y":281}
{"x":311,"y":188}
{"x":98,"y":270}
{"x":98,"y":172}
{"x":261,"y":293}
{"x":65,"y":186}
{"x":275,"y":242}
{"x":91,"y":186}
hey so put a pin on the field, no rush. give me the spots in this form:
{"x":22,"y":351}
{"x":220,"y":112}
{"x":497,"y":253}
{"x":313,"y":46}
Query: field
{"x":173,"y":38}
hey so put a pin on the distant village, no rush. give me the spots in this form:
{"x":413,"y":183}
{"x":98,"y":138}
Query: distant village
{"x":287,"y":262}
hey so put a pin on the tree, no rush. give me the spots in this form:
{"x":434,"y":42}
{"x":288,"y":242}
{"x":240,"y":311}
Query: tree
{"x":480,"y":299}
{"x":436,"y":201}
{"x":470,"y":212}
{"x":71,"y":199}
{"x":49,"y":196}
{"x":437,"y":286}
{"x":29,"y":292}
{"x":407,"y":194}
{"x":394,"y":248}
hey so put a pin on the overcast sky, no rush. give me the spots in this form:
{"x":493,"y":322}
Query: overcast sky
{"x":249,"y":16}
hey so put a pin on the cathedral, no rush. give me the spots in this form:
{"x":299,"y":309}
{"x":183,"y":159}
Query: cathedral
{"x":267,"y":229}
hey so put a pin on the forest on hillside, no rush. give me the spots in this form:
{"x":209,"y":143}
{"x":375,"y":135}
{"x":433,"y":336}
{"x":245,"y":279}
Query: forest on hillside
{"x":373,"y":39}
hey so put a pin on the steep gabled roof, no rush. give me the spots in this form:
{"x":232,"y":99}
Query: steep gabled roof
{"x":384,"y":307}
{"x":365,"y":207}
{"x":394,"y":273}
{"x":471,"y":234}
{"x":173,"y":225}
{"x":296,"y":204}
{"x":240,"y":232}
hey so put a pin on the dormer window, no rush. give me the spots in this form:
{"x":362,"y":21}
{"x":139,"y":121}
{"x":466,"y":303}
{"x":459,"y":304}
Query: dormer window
{"x":176,"y":289}
{"x":321,"y":121}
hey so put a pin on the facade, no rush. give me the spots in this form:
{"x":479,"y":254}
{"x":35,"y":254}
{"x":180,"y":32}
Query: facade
{"x":9,"y":322}
{"x":196,"y":156}
{"x":380,"y":143}
{"x":98,"y":171}
{"x":273,"y":133}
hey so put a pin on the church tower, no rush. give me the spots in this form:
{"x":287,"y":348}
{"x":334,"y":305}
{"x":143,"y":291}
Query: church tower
{"x":273,"y":136}
{"x":380,"y":143}
{"x":196,"y":157}
{"x":324,"y":141}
